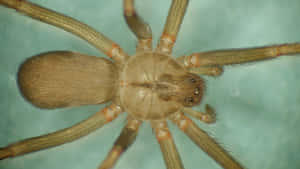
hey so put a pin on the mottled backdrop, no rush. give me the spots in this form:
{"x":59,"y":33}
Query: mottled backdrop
{"x":257,"y":104}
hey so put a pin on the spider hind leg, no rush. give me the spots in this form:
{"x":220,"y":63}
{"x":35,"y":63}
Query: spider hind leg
{"x":62,"y":136}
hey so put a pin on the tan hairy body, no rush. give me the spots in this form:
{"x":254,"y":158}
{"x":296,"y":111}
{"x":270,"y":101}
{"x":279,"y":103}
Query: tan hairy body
{"x":61,"y":79}
{"x":158,"y":84}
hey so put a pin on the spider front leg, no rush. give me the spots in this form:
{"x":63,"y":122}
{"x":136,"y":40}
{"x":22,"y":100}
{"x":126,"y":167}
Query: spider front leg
{"x":69,"y":24}
{"x":140,"y":28}
{"x":167,"y":145}
{"x":238,"y":56}
{"x":126,"y":138}
{"x":205,"y":142}
{"x":172,"y":26}
{"x":62,"y":136}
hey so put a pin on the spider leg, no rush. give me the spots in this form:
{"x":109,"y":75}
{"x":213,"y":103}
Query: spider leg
{"x":208,"y":117}
{"x":172,"y":26}
{"x":238,"y":56}
{"x":167,"y":146}
{"x":69,"y":24}
{"x":140,"y":28}
{"x":62,"y":136}
{"x":126,"y":138}
{"x":206,"y":70}
{"x":205,"y":142}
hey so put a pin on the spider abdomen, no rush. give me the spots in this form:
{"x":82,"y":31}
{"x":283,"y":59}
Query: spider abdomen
{"x":60,"y":79}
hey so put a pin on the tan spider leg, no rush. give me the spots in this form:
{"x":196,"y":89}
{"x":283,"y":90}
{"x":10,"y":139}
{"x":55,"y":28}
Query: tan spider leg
{"x":126,"y":138}
{"x":172,"y":26}
{"x":208,"y":117}
{"x":167,"y":146}
{"x":69,"y":24}
{"x":205,"y":142}
{"x":238,"y":56}
{"x":207,"y":70}
{"x":62,"y":136}
{"x":141,"y":29}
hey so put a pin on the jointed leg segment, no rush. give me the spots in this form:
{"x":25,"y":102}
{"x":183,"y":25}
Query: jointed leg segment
{"x":62,"y":136}
{"x":69,"y":24}
{"x":172,"y":26}
{"x":141,"y":29}
{"x":205,"y":142}
{"x":206,"y":70}
{"x":167,"y":146}
{"x":238,"y":56}
{"x":208,"y":117}
{"x":126,"y":138}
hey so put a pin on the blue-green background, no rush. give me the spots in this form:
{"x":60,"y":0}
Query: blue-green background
{"x":257,"y":104}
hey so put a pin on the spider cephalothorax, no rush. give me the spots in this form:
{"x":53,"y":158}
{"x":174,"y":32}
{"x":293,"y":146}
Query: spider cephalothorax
{"x":158,"y":86}
{"x":151,"y":86}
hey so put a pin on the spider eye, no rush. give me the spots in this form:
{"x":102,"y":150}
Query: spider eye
{"x":189,"y":100}
{"x":193,"y":80}
{"x":197,"y":91}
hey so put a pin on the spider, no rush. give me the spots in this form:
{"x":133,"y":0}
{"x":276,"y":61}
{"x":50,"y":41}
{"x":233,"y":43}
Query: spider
{"x":49,"y":55}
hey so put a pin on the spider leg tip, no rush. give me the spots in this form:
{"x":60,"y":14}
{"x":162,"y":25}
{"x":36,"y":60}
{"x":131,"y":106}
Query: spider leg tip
{"x":5,"y":153}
